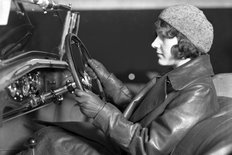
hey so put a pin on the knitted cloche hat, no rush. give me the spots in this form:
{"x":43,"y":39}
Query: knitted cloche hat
{"x":191,"y":22}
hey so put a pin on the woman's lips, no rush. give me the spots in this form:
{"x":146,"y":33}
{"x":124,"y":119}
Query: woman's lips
{"x":159,"y":55}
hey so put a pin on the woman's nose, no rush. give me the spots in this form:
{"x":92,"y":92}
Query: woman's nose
{"x":156,"y":43}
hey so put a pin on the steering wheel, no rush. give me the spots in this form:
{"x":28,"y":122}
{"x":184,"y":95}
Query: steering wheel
{"x":78,"y":56}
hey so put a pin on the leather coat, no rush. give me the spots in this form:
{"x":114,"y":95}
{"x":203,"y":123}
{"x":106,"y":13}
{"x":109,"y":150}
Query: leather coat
{"x":178,"y":101}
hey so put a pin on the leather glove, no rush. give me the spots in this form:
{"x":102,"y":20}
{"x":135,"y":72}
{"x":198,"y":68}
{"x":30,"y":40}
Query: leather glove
{"x":90,"y":104}
{"x":113,"y":87}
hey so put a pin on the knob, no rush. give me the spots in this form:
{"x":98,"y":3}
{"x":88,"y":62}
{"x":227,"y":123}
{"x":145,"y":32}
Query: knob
{"x":31,"y":142}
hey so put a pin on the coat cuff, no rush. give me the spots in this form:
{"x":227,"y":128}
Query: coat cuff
{"x":103,"y":119}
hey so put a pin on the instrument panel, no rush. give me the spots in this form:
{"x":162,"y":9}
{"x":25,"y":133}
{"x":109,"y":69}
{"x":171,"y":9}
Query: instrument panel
{"x":35,"y":90}
{"x":26,"y":86}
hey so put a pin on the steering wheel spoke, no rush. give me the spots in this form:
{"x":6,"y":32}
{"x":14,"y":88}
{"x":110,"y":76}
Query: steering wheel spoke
{"x":77,"y":57}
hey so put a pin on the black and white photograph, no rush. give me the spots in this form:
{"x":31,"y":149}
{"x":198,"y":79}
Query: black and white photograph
{"x":115,"y":77}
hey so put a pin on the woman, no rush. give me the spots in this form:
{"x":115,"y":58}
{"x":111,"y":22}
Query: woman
{"x":179,"y":99}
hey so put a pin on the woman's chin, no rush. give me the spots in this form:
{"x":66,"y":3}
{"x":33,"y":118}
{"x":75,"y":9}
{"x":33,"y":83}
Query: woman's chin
{"x":161,"y":63}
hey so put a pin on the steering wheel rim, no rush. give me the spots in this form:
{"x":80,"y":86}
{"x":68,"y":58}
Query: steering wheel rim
{"x":77,"y":61}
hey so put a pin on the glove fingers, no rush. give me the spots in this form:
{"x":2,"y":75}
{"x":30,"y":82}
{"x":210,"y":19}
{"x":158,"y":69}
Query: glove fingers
{"x":94,"y":64}
{"x":97,"y":66}
{"x":99,"y":69}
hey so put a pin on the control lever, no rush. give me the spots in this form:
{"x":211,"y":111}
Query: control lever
{"x":31,"y":144}
{"x":42,"y":99}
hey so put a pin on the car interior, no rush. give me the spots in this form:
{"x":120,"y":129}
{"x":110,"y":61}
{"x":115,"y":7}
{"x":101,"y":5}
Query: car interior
{"x":37,"y":92}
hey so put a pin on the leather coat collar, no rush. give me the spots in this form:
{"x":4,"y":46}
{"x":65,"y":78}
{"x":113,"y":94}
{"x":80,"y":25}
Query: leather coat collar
{"x":185,"y":74}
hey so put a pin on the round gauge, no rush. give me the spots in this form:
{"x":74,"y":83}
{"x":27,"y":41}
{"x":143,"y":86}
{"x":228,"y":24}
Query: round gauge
{"x":25,"y":86}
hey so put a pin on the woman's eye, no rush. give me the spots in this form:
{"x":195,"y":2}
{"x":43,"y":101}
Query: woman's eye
{"x":161,"y":37}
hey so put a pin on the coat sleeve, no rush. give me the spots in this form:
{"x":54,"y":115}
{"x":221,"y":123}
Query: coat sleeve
{"x":165,"y":131}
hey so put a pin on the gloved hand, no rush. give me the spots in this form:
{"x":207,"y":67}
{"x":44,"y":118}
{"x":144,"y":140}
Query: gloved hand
{"x":112,"y":86}
{"x":90,"y":104}
{"x":100,"y":70}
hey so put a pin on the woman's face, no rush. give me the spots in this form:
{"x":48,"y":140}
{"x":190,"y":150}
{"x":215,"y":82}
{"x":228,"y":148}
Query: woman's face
{"x":163,"y":47}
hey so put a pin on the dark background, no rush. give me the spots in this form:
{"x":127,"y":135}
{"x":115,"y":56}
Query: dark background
{"x":121,"y":40}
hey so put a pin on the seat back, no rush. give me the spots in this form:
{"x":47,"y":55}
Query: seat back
{"x":213,"y":135}
{"x":223,"y":84}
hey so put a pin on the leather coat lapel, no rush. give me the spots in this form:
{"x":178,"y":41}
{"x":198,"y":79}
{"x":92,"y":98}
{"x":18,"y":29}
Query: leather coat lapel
{"x":152,"y":100}
{"x":159,"y":110}
{"x":195,"y":68}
